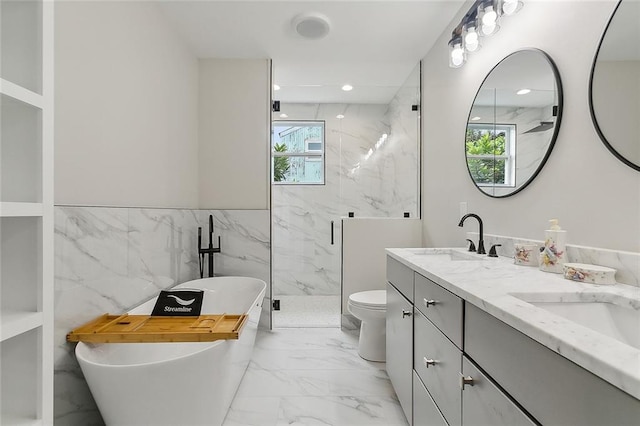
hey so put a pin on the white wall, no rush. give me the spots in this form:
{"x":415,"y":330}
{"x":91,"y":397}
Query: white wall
{"x":234,"y":135}
{"x":616,"y":93}
{"x":595,"y":196}
{"x":126,"y":108}
{"x":363,"y":257}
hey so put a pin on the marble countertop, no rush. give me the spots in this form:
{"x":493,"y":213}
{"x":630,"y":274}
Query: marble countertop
{"x":498,"y":286}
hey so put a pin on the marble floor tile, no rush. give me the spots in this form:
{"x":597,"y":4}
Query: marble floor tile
{"x":251,"y":411}
{"x":339,"y":411}
{"x":313,"y":376}
{"x":307,"y":311}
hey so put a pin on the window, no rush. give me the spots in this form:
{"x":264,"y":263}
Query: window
{"x":297,"y":152}
{"x":490,"y":152}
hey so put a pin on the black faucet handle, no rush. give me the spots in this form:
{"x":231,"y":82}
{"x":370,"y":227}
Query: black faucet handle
{"x":472,"y":247}
{"x":492,"y":250}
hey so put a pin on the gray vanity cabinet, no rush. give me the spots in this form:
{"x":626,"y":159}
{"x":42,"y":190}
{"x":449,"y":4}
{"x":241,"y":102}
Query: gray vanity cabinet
{"x":551,"y":388}
{"x":437,"y":362}
{"x":401,"y":277}
{"x":425,"y":411}
{"x":485,"y":404}
{"x":470,"y":368}
{"x":400,"y":332}
{"x":441,"y":307}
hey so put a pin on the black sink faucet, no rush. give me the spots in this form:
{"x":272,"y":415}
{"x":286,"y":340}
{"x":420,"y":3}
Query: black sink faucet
{"x":481,"y":241}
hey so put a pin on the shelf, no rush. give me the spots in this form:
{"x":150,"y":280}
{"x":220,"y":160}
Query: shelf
{"x":15,"y":323}
{"x":20,"y":378}
{"x":20,"y":254}
{"x":20,"y":93}
{"x":9,"y":209}
{"x":21,"y":159}
{"x":17,"y":421}
{"x":26,"y":212}
{"x":22,"y":53}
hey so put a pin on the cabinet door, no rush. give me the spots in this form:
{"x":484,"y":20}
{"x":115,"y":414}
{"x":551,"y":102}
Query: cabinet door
{"x":437,"y":362}
{"x":485,"y":404}
{"x":554,"y":390}
{"x":425,"y":411}
{"x":400,"y":346}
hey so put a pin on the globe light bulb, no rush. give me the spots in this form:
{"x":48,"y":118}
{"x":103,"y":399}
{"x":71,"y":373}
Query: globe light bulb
{"x":457,"y":56}
{"x":472,"y":41}
{"x":509,"y":7}
{"x":489,"y":18}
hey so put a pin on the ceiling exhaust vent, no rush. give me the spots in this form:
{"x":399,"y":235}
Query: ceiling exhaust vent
{"x":312,"y":26}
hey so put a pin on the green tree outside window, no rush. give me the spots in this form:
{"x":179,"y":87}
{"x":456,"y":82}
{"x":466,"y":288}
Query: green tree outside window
{"x":280,"y":164}
{"x":486,"y":152}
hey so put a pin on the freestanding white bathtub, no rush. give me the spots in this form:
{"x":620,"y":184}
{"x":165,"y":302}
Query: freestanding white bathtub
{"x":140,"y":384}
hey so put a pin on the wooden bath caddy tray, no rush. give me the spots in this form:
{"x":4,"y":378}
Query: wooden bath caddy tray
{"x":147,"y":329}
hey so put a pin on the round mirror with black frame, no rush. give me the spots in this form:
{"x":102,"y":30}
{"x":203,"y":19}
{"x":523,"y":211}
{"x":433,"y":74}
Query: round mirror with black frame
{"x":614,"y":86}
{"x":513,"y":123}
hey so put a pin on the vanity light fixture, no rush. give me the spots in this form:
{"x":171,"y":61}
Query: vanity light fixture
{"x":347,"y":87}
{"x":481,"y":20}
{"x":523,"y":91}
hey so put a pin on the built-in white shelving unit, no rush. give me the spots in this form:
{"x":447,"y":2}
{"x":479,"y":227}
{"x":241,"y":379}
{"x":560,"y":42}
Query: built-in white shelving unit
{"x":26,"y":212}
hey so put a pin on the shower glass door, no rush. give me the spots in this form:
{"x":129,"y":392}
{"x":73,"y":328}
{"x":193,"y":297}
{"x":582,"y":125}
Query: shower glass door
{"x":304,"y":195}
{"x":332,"y":160}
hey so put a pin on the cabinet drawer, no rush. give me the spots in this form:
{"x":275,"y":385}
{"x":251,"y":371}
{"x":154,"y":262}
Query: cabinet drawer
{"x":425,"y":411}
{"x":437,"y":362}
{"x":401,"y":277}
{"x":551,"y":388}
{"x":443,"y":308}
{"x":485,"y":404}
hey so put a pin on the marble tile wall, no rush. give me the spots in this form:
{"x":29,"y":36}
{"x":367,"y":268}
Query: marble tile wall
{"x":111,"y":259}
{"x":626,"y":264}
{"x":362,"y":175}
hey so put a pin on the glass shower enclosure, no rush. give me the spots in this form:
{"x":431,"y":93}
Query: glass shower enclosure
{"x":330,"y":161}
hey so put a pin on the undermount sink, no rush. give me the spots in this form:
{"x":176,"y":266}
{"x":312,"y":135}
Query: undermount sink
{"x":614,"y":316}
{"x":448,"y":253}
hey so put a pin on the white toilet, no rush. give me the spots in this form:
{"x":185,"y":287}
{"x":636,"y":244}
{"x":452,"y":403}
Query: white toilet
{"x":370,"y":307}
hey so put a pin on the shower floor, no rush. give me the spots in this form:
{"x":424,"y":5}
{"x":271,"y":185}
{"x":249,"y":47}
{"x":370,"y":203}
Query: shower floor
{"x":307,"y":311}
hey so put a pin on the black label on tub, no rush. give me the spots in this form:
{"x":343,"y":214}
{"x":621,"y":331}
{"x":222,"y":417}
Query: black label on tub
{"x":186,"y":303}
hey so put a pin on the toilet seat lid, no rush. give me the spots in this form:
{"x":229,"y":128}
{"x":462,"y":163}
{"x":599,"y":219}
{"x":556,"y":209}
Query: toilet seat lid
{"x":373,"y":299}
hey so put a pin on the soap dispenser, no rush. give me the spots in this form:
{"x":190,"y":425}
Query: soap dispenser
{"x":553,"y":254}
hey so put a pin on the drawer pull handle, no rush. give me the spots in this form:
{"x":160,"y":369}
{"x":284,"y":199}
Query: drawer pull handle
{"x":428,"y":302}
{"x":406,"y":313}
{"x":427,"y":362}
{"x":465,"y":380}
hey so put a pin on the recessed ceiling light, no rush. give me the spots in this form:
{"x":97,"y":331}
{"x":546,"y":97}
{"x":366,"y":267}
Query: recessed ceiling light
{"x":283,"y":115}
{"x":476,"y":118}
{"x":347,"y":87}
{"x":339,"y":116}
{"x":311,"y":25}
{"x":276,"y":87}
{"x":523,"y":91}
